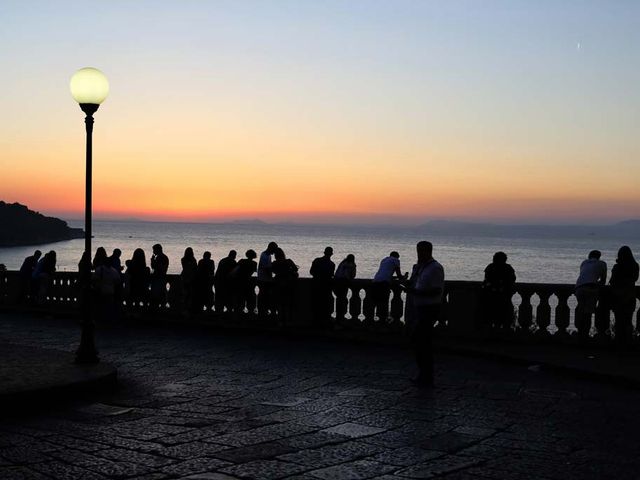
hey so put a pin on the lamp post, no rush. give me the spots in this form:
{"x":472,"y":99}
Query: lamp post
{"x":89,"y":87}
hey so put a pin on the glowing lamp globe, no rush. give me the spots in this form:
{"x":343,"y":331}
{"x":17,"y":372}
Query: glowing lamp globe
{"x":89,"y":86}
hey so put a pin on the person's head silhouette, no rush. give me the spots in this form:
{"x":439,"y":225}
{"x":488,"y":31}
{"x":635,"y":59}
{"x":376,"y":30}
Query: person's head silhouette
{"x":625,"y":255}
{"x":595,"y":254}
{"x":138,"y":257}
{"x":424,"y":250}
{"x":500,"y":258}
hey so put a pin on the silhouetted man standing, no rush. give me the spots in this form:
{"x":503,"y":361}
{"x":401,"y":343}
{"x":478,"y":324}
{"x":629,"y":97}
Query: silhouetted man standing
{"x":205,"y":273}
{"x":159,"y":267}
{"x":424,"y":299}
{"x":114,"y":260}
{"x":222,"y":281}
{"x":322,"y":269}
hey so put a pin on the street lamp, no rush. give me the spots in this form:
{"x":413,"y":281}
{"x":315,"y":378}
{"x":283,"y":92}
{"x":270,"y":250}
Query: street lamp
{"x":89,"y":88}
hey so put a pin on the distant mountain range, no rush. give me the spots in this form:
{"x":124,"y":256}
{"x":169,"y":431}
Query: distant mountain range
{"x":20,"y":226}
{"x":624,"y":229}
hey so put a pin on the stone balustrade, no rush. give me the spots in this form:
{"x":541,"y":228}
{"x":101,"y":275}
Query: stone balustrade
{"x":541,"y":310}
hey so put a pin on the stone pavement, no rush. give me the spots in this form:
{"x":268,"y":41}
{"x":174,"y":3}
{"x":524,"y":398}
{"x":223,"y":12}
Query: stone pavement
{"x":28,"y":374}
{"x":195,"y":404}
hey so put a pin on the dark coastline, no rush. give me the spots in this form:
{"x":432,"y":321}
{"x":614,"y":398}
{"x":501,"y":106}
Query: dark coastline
{"x":21,"y":227}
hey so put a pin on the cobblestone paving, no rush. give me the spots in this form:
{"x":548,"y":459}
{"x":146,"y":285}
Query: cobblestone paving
{"x":200,"y":405}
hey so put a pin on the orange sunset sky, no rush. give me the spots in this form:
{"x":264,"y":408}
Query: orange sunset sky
{"x":327,"y":111}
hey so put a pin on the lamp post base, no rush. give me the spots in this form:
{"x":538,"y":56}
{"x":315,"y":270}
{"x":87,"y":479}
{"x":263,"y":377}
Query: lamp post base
{"x":87,"y":352}
{"x":86,"y":356}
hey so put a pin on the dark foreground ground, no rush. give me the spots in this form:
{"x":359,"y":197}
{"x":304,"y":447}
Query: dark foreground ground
{"x":196,"y":404}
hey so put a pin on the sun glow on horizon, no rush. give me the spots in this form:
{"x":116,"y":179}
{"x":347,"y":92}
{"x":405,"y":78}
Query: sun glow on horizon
{"x":402,"y":110}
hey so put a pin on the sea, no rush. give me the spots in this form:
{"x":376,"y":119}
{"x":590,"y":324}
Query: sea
{"x":464,"y":254}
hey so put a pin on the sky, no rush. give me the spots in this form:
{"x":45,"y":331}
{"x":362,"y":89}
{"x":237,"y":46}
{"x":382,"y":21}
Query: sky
{"x":326,"y":111}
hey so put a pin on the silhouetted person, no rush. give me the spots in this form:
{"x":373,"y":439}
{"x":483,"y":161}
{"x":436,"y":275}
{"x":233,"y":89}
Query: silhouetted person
{"x":115,"y":260}
{"x":204,"y":283}
{"x":285,"y":277}
{"x":159,"y":267}
{"x":265,"y":280}
{"x":243,"y":291}
{"x":43,"y":275}
{"x":424,"y":299}
{"x":624,"y":276}
{"x":322,"y":269}
{"x":26,"y":275}
{"x":84,"y":267}
{"x":345,"y":273}
{"x":188,"y":277}
{"x":497,"y":289}
{"x":138,"y":277}
{"x":593,"y":276}
{"x":100,"y":258}
{"x":381,"y":285}
{"x":222,"y":282}
{"x":106,"y":283}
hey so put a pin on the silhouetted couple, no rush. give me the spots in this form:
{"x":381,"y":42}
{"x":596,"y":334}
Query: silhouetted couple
{"x":619,"y":297}
{"x":42,"y":276}
{"x":27,"y":284}
{"x":106,"y":284}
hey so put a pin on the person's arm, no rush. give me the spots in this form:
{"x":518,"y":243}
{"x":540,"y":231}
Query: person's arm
{"x":603,"y":275}
{"x":398,"y":272}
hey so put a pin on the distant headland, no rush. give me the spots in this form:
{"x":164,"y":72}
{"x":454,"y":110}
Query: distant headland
{"x":20,"y":226}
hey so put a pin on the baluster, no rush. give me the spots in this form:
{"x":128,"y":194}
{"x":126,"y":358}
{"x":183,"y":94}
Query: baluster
{"x":445,"y":310}
{"x":355,"y":305}
{"x":253,"y":300}
{"x":637,"y":315}
{"x":563,"y":314}
{"x":525,"y":312}
{"x":171,"y":290}
{"x":397,"y":306}
{"x":543,"y":313}
{"x":368,"y":306}
{"x":603,"y":314}
{"x":341,"y":291}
